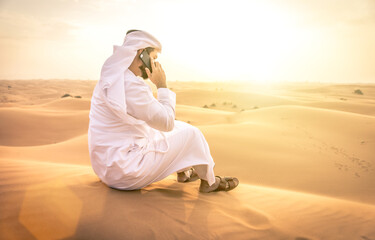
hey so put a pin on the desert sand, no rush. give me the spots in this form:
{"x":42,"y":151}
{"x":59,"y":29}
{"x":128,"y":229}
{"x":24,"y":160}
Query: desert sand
{"x":304,"y":154}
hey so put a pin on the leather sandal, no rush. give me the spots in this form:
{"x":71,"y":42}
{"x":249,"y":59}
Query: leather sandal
{"x":227,"y":184}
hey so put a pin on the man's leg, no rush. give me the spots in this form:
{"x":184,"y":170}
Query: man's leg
{"x":188,"y":149}
{"x":184,"y":174}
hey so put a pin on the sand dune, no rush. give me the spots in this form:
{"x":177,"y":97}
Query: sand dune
{"x":290,"y":148}
{"x":68,"y":103}
{"x":72,"y":151}
{"x":199,"y":116}
{"x":366,"y":108}
{"x":71,"y":201}
{"x":226,"y":100}
{"x":303,"y":153}
{"x":31,"y":127}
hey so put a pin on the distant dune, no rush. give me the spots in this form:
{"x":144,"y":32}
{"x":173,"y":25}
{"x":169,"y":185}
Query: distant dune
{"x":304,"y":154}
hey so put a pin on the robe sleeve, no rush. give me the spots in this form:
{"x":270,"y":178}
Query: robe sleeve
{"x":157,"y":113}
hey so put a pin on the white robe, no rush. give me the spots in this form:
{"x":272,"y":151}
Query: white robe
{"x":149,"y":145}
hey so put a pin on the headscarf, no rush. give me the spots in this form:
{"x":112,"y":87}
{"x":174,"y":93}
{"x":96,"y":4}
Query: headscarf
{"x":111,"y":81}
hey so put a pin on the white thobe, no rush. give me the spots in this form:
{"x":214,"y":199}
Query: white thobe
{"x":133,"y":154}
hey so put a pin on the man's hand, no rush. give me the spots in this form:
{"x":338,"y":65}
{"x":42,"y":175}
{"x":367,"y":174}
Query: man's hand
{"x":157,"y":76}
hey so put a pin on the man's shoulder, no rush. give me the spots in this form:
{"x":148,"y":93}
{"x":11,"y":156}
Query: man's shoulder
{"x":130,"y":78}
{"x":135,"y":84}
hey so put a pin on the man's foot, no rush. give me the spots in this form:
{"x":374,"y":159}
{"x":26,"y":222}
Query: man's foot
{"x":221,"y":184}
{"x":187,"y":176}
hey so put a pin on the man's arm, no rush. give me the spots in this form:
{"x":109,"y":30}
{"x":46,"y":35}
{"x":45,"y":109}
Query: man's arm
{"x":157,"y":113}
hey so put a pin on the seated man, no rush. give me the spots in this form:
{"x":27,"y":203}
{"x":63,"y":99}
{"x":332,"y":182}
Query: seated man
{"x":134,"y":139}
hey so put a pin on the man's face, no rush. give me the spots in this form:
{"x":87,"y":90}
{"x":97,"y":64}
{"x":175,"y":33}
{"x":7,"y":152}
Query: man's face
{"x":142,"y":67}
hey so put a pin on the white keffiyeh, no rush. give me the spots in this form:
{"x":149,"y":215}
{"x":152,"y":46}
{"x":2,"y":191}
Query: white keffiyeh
{"x":112,"y":74}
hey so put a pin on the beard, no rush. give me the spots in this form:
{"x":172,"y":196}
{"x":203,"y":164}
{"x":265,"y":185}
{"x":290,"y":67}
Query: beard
{"x":143,"y":71}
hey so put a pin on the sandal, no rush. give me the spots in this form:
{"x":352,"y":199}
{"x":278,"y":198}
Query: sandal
{"x":185,"y":179}
{"x":227,"y":183}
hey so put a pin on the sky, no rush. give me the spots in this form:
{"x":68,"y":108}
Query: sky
{"x":203,"y":40}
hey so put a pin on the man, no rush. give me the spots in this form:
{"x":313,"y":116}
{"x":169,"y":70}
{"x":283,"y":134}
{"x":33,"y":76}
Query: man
{"x":134,"y":139}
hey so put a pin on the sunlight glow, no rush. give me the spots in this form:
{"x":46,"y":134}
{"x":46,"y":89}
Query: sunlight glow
{"x":256,"y":50}
{"x":213,"y":40}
